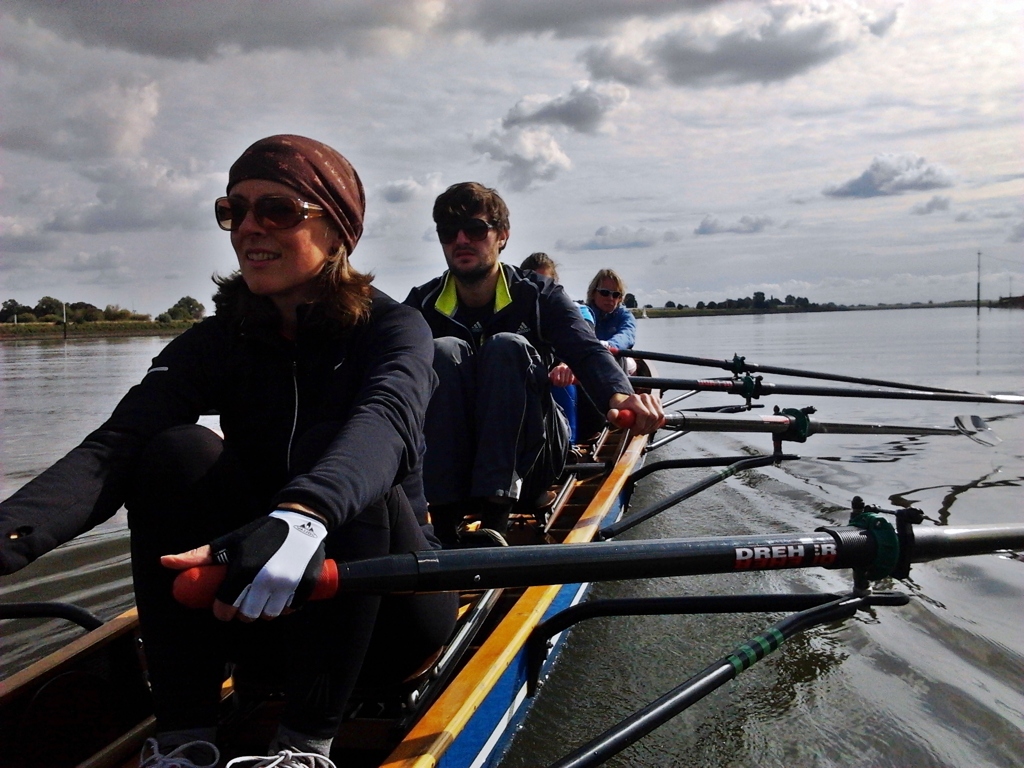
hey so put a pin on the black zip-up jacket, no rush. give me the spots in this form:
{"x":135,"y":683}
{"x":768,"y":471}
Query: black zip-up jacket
{"x":373,"y":380}
{"x":541,"y":311}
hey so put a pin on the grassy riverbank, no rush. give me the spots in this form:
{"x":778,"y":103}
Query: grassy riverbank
{"x":96,"y":329}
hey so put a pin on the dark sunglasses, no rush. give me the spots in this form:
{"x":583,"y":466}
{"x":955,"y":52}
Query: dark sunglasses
{"x":606,"y":293}
{"x":271,"y":211}
{"x":475,"y":229}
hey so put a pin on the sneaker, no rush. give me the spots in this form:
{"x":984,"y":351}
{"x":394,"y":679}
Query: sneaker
{"x":284,"y":759}
{"x":184,"y":756}
{"x":481,"y":537}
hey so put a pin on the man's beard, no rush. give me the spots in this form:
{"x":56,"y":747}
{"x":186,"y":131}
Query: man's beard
{"x":473,"y":275}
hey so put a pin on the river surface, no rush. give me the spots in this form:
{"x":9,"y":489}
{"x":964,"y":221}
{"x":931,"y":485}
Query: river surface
{"x":939,"y":682}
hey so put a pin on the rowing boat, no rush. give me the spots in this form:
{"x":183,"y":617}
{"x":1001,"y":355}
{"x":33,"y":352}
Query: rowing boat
{"x":86,"y":705}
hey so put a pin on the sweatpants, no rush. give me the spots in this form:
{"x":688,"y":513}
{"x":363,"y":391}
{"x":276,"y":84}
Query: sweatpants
{"x":188,"y":488}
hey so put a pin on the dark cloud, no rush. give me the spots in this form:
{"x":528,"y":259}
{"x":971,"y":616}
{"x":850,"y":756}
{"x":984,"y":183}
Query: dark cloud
{"x":787,"y":40}
{"x":583,"y":109}
{"x":528,"y":155}
{"x":19,"y":239}
{"x":894,"y":175}
{"x":747,"y":225}
{"x":1016,"y":233}
{"x":937,"y":203}
{"x":566,"y":18}
{"x":64,"y":102}
{"x":199,"y":29}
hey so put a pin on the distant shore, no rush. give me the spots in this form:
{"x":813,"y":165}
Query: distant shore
{"x":656,"y":312}
{"x":98,"y":329}
{"x":101,"y":329}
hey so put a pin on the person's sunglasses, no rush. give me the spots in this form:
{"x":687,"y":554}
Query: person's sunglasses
{"x":271,"y":211}
{"x":475,"y":229}
{"x":606,"y":293}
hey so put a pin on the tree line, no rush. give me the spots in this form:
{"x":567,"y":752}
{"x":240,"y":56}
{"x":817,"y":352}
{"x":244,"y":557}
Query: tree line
{"x":51,"y":310}
{"x":757,"y":301}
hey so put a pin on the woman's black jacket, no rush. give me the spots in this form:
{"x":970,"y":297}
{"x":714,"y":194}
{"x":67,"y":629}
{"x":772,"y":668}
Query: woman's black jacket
{"x":372,"y":382}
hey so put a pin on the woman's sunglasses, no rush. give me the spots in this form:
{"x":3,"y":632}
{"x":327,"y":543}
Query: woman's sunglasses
{"x":475,"y":229}
{"x":606,"y":293}
{"x":271,"y":211}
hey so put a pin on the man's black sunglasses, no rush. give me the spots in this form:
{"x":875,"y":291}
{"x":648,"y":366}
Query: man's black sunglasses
{"x":271,"y":211}
{"x":606,"y":293}
{"x":475,"y":229}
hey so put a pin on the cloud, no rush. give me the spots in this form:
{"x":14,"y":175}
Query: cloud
{"x":137,"y":195}
{"x":583,"y":109}
{"x":529,"y":155}
{"x":17,"y":236}
{"x":775,"y":43}
{"x":937,"y":203}
{"x":747,"y":225}
{"x":405,"y":190}
{"x":893,"y":175}
{"x":1016,"y":233}
{"x":63,"y":102}
{"x":197,"y":30}
{"x":110,"y":266}
{"x":610,"y":238}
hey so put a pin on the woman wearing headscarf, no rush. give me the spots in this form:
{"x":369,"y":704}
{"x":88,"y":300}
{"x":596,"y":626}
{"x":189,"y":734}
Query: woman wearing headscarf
{"x":321,"y":383}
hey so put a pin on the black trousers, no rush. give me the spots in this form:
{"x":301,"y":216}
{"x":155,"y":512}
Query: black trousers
{"x":189,"y":488}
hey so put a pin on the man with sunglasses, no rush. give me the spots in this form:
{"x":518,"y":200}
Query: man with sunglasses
{"x":494,"y":435}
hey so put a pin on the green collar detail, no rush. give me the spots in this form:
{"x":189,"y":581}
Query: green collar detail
{"x":448,"y":300}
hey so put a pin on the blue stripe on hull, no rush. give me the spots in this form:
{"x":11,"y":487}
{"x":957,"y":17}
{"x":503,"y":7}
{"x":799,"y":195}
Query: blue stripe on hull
{"x":488,"y":734}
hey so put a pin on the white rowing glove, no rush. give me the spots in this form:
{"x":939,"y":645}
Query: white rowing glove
{"x":273,"y":563}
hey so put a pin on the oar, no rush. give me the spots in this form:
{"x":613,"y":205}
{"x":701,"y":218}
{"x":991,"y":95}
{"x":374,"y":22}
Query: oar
{"x":447,"y":570}
{"x":739,"y":365}
{"x":797,"y":425}
{"x":755,"y":388}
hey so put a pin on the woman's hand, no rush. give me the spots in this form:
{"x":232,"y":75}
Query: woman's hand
{"x":646,"y":408}
{"x":273,"y":563}
{"x":561,"y":376}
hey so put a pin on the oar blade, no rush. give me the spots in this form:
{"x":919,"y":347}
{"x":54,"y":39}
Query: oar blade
{"x":977,"y":429}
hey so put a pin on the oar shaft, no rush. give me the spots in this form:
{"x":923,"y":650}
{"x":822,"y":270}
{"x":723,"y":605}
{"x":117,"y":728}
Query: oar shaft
{"x":738,"y":365}
{"x":612,"y":561}
{"x":444,"y":570}
{"x":781,"y":423}
{"x":760,"y":388}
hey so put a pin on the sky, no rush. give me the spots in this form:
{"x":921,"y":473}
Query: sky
{"x":853,"y":152}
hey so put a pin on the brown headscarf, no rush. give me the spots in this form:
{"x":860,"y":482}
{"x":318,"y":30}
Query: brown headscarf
{"x":318,"y":173}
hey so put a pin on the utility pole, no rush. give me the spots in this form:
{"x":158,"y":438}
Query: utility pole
{"x":978,"y":301}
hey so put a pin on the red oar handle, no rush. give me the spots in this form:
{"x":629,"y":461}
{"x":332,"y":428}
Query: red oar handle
{"x":624,"y":419}
{"x":197,"y":587}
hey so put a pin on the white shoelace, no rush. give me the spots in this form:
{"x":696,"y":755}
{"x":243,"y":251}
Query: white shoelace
{"x":151,"y":757}
{"x":284,"y":759}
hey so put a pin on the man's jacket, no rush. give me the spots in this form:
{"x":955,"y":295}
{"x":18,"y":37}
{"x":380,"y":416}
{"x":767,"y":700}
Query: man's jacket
{"x":537,"y":308}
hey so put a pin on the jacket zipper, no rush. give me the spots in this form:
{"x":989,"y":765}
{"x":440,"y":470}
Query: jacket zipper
{"x":295,"y":416}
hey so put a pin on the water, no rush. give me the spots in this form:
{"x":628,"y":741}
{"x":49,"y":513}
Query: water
{"x":937,"y":683}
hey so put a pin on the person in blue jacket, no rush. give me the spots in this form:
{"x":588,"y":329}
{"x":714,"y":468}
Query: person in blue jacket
{"x":322,"y":384}
{"x":613,"y":323}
